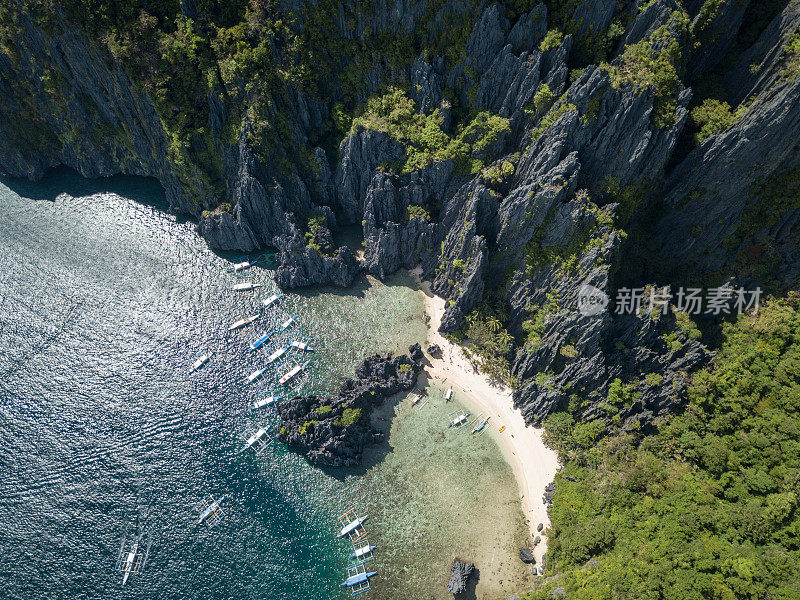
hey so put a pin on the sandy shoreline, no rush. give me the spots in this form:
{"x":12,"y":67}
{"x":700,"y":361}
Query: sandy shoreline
{"x":534,"y":464}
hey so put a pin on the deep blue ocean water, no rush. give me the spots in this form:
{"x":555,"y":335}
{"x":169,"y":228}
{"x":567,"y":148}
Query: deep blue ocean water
{"x":104,"y":300}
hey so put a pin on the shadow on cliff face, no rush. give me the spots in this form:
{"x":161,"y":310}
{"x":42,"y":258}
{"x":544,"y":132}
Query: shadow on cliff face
{"x":62,"y":180}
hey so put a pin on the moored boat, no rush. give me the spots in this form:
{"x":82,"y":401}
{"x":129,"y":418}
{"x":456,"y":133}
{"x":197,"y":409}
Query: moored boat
{"x":301,"y":346}
{"x":292,"y":373}
{"x":242,"y":323}
{"x":267,"y":402}
{"x":257,"y":343}
{"x":277,"y":354}
{"x":418,"y":397}
{"x":458,"y":419}
{"x":271,"y":300}
{"x":200,"y":361}
{"x":286,"y":324}
{"x":245,"y":286}
{"x":480,"y":425}
{"x":255,"y":375}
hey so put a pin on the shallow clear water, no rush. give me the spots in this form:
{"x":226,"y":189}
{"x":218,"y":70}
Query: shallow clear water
{"x":104,"y":301}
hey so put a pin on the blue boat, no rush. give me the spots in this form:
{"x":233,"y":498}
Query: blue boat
{"x":256,"y":344}
{"x":358,"y":578}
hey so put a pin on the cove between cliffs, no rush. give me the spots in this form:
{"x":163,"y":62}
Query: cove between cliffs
{"x":533,"y":463}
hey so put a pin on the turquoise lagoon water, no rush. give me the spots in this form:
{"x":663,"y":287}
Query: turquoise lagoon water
{"x":104,"y":300}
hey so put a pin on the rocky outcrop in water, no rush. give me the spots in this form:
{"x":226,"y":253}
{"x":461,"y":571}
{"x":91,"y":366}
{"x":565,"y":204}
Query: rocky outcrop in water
{"x":459,"y":576}
{"x":333,"y":431}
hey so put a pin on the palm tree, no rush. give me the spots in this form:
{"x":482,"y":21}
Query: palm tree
{"x":493,"y":323}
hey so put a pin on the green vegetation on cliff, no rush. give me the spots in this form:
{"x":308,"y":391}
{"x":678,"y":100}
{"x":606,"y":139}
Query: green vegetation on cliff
{"x":707,"y":506}
{"x":394,"y":113}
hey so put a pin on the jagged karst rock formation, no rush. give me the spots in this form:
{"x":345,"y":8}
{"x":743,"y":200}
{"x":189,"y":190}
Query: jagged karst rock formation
{"x":333,"y":431}
{"x":460,"y":573}
{"x":541,"y":157}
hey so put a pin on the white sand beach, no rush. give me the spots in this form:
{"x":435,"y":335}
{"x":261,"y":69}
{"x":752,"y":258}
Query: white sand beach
{"x":533,"y":463}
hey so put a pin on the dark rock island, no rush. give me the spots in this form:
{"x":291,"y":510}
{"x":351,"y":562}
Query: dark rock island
{"x":333,"y":431}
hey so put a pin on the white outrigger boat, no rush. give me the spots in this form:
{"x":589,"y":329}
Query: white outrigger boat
{"x":210,"y":510}
{"x":301,"y":346}
{"x":258,"y":441}
{"x":449,"y":395}
{"x":292,"y":373}
{"x":245,"y":286}
{"x":363,"y":552}
{"x":255,"y":375}
{"x":286,"y":324}
{"x":459,"y":420}
{"x":266,"y":402}
{"x":132,"y":561}
{"x":352,"y":525}
{"x":271,"y":300}
{"x":243,"y":323}
{"x":480,"y":424}
{"x":200,"y":361}
{"x":418,"y":397}
{"x":277,"y":354}
{"x":257,"y":343}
